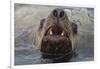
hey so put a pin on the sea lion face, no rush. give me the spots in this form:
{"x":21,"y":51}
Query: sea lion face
{"x":57,"y":33}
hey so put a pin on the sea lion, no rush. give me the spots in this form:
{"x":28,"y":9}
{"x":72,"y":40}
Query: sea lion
{"x":56,"y":36}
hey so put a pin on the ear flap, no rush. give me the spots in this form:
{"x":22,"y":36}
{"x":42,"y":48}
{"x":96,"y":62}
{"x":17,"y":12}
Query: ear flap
{"x":74,"y":28}
{"x":41,"y":24}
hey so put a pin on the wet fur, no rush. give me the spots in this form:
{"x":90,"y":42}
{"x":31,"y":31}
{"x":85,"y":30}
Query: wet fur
{"x":70,"y":27}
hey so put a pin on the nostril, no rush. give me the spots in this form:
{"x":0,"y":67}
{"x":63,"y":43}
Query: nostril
{"x":55,"y":13}
{"x":61,"y":14}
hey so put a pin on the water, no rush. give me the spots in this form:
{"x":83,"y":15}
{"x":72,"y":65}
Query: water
{"x":27,"y":21}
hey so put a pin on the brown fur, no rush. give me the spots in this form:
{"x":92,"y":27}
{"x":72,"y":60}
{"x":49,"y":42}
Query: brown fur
{"x":57,"y":17}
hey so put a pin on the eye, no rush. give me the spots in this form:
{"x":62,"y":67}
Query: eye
{"x":41,"y":24}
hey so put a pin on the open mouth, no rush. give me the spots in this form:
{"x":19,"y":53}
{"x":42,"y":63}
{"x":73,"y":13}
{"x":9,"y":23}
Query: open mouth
{"x":56,"y":42}
{"x":56,"y":30}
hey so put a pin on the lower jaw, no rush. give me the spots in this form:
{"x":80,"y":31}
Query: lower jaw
{"x":56,"y":55}
{"x":58,"y":58}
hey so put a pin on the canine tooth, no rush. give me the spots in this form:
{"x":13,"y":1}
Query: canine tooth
{"x":62,"y":34}
{"x":50,"y":32}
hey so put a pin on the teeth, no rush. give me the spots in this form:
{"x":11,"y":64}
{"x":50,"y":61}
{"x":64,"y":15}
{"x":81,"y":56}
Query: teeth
{"x":50,"y":32}
{"x":62,"y":34}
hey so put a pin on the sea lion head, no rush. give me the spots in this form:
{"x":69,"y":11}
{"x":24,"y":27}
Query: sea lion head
{"x":55,"y":34}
